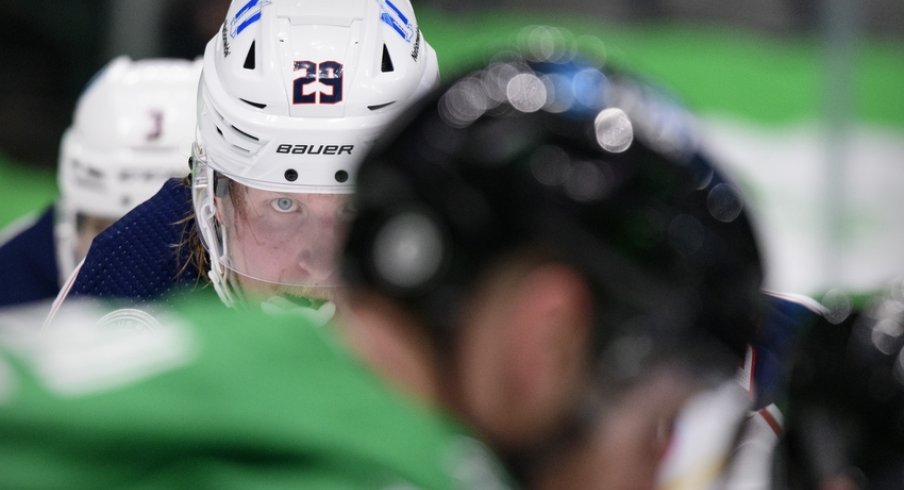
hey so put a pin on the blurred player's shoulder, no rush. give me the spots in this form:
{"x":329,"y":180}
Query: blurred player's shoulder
{"x":195,"y":374}
{"x":793,"y":302}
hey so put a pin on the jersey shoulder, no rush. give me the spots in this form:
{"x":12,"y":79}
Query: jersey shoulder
{"x":140,"y":257}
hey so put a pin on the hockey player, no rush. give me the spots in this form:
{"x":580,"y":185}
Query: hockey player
{"x":291,"y":97}
{"x":130,"y":132}
{"x":527,"y":268}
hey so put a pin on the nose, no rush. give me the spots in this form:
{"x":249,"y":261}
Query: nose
{"x":318,"y":258}
{"x":318,"y":268}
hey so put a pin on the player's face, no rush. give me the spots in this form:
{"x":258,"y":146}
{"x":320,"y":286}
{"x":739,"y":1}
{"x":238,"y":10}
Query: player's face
{"x":283,"y":243}
{"x":88,"y":228}
{"x":522,"y":355}
{"x":524,"y":371}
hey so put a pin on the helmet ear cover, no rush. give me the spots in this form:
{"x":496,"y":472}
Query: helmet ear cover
{"x":220,"y":185}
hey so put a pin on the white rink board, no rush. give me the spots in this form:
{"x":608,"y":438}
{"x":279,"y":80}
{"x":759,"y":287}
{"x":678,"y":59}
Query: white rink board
{"x":782,"y":170}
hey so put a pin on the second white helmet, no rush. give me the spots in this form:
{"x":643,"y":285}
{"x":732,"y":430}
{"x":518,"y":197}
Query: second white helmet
{"x":132,"y":129}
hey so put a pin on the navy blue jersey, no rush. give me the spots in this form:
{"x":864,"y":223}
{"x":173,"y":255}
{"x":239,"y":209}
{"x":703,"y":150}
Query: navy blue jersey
{"x":139,"y":258}
{"x":28,"y":263}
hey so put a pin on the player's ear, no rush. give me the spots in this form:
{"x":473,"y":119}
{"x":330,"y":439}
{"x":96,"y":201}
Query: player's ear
{"x":549,"y":331}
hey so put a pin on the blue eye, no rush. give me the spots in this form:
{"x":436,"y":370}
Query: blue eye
{"x":283,"y":205}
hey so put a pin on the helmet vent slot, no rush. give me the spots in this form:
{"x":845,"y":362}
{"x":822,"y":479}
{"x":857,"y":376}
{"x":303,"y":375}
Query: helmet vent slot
{"x":386,"y":66}
{"x":249,"y":58}
{"x":249,"y":136}
{"x":254,"y":104}
{"x":377,"y":107}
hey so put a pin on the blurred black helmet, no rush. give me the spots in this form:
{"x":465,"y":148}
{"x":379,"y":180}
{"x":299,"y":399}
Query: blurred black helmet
{"x":584,"y":163}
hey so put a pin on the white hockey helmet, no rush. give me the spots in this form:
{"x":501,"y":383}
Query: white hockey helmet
{"x":292,"y":95}
{"x":132,"y":129}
